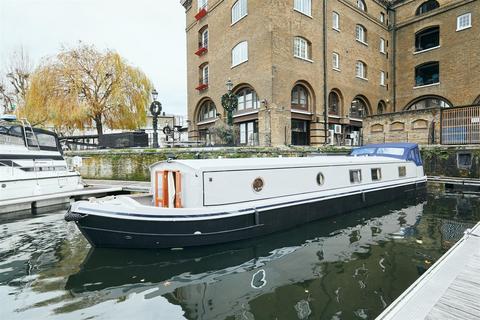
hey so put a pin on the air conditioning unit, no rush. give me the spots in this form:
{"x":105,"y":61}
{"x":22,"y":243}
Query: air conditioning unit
{"x":337,"y":128}
{"x":348,"y":142}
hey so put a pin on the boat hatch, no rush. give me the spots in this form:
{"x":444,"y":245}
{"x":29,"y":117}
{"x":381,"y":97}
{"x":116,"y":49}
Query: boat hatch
{"x":168,"y":189}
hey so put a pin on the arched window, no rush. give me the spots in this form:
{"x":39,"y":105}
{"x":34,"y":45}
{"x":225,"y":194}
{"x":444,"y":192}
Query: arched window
{"x":204,"y":74}
{"x":203,"y":38}
{"x":247,"y":99}
{"x":333,"y":103}
{"x":207,"y":111}
{"x":381,"y":107}
{"x":361,"y":69}
{"x":361,"y":5}
{"x":361,"y":33}
{"x":427,"y":73}
{"x":427,"y":38}
{"x":358,"y":108}
{"x":429,"y":102}
{"x":239,"y":10}
{"x":240,"y":53}
{"x":427,"y":6}
{"x":300,"y":97}
{"x":302,"y":48}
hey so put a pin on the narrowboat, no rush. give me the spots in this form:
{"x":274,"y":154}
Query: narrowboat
{"x":31,"y":165}
{"x":204,"y":202}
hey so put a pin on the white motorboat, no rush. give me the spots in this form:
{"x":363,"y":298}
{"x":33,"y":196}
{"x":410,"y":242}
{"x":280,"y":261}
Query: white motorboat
{"x":31,"y":166}
{"x":201,"y":202}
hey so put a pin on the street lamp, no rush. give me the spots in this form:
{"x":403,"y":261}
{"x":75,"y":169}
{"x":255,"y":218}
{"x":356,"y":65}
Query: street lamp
{"x":155,"y":109}
{"x":229,"y":102}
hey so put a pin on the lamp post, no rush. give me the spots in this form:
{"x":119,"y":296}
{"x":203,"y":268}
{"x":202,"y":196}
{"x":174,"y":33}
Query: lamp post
{"x":229,"y":102}
{"x":155,"y":109}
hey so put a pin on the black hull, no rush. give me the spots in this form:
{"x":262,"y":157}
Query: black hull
{"x":121,"y":233}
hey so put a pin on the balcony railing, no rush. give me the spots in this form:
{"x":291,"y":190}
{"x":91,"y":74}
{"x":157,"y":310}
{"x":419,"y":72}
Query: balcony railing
{"x":201,"y":13}
{"x":201,"y":51}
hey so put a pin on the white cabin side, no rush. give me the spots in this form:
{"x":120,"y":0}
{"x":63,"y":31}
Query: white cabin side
{"x":224,"y":182}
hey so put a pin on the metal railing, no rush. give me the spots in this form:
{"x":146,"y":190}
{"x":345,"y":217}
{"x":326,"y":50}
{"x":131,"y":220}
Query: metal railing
{"x":460,"y":125}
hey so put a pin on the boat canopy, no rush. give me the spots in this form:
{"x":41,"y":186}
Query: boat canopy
{"x":404,"y":151}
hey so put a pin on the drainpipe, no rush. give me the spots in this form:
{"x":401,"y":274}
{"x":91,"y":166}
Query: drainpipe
{"x":394,"y":56}
{"x":325,"y":96}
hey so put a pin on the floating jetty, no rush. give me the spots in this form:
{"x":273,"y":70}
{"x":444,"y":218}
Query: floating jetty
{"x":450,"y":289}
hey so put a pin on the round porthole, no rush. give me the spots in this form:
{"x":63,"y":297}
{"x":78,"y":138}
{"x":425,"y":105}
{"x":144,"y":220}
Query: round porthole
{"x":320,"y":179}
{"x":257,"y":184}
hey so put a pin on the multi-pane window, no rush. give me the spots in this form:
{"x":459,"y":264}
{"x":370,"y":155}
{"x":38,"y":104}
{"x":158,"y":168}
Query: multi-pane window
{"x":382,"y":45}
{"x":299,"y":97}
{"x":376,"y":174}
{"x":427,"y":38}
{"x":336,"y":61}
{"x":361,"y":33}
{"x":428,"y":5}
{"x":464,"y":21}
{"x":402,"y":171}
{"x":249,"y":133}
{"x":202,"y":4}
{"x":333,"y":103}
{"x":239,"y":10}
{"x":301,"y":48}
{"x":335,"y":21}
{"x":303,"y":6}
{"x":361,"y":69}
{"x":427,"y":73}
{"x":361,"y":5}
{"x":382,"y":78}
{"x":204,"y":74}
{"x":240,"y":53}
{"x":207,"y":111}
{"x":204,"y":39}
{"x":247,"y":99}
{"x":356,"y":176}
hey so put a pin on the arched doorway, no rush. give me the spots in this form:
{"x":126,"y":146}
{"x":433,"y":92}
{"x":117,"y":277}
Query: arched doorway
{"x":246,"y":115}
{"x":205,"y":118}
{"x":359,"y":108}
{"x":381,"y":107}
{"x":301,"y":104}
{"x":335,"y":127}
{"x":427,"y":102}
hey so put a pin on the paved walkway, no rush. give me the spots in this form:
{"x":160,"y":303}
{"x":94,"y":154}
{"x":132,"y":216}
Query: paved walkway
{"x":450,"y":289}
{"x":130,"y":186}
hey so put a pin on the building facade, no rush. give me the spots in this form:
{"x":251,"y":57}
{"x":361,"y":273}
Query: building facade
{"x":307,"y":72}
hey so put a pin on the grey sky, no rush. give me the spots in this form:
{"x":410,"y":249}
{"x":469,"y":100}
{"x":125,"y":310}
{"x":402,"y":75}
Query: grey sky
{"x":150,"y":34}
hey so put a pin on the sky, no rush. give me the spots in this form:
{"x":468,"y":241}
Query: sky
{"x":149,"y":34}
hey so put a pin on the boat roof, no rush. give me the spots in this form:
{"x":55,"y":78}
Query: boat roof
{"x":264,"y":163}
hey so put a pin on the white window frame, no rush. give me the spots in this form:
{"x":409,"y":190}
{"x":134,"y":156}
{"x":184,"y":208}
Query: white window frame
{"x":382,"y":17}
{"x":205,"y":74}
{"x":301,"y":48}
{"x":205,"y":38}
{"x":361,"y":70}
{"x":239,"y":10}
{"x":382,"y":78}
{"x":382,"y":45}
{"x":361,"y":5}
{"x":460,"y":21}
{"x":202,"y":4}
{"x":240,"y":53}
{"x":336,"y":61}
{"x":361,"y":34}
{"x":335,"y":21}
{"x":303,"y":6}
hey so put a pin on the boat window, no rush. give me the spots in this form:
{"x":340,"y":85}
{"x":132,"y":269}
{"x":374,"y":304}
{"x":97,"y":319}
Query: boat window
{"x":11,"y":134}
{"x":355,"y":176}
{"x":362,"y":151}
{"x":257,"y":184}
{"x":320,"y":179}
{"x":402,"y":171}
{"x":391,"y":151}
{"x":376,"y":174}
{"x":47,"y":141}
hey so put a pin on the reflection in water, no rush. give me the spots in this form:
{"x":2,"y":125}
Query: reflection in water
{"x":348,"y":267}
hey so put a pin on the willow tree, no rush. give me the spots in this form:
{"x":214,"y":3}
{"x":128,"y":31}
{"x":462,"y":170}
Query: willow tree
{"x":83,"y":87}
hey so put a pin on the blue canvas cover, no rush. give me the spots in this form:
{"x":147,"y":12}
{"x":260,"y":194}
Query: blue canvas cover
{"x":404,"y":151}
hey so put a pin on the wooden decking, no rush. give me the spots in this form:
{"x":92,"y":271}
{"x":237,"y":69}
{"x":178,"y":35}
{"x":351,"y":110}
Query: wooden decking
{"x":450,"y":289}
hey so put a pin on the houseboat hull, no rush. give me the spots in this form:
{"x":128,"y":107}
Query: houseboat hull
{"x":123,"y":230}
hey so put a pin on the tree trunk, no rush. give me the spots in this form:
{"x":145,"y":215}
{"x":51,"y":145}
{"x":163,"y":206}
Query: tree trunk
{"x":99,"y":125}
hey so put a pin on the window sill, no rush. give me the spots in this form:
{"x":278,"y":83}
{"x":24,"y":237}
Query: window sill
{"x":361,"y":78}
{"x":383,"y":52}
{"x":334,"y":116}
{"x":301,"y":112}
{"x":236,"y":65}
{"x":362,"y":42}
{"x":336,"y":69}
{"x":427,"y":85}
{"x":383,"y":85}
{"x":244,"y":113}
{"x":206,"y":121}
{"x":238,"y":20}
{"x":303,"y":13}
{"x":336,"y":29}
{"x":356,"y":119}
{"x":426,"y":50}
{"x":302,"y":58}
{"x":464,"y":28}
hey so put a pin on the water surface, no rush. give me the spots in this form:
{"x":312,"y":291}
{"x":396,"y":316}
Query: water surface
{"x":348,"y":267}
